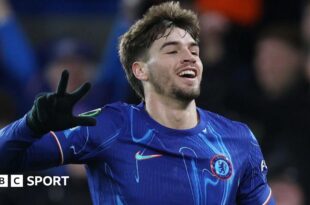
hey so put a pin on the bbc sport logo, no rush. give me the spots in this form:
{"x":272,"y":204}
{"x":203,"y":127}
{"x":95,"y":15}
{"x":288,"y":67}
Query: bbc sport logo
{"x":17,"y":180}
{"x":4,"y":181}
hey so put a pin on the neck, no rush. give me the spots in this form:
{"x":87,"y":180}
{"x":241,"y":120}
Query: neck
{"x":172,"y":113}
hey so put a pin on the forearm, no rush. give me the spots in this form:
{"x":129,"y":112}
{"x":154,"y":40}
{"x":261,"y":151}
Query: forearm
{"x":21,"y":150}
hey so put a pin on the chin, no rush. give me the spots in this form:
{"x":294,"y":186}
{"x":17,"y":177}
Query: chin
{"x":187,"y":96}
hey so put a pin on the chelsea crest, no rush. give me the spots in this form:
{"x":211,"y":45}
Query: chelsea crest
{"x":221,"y":167}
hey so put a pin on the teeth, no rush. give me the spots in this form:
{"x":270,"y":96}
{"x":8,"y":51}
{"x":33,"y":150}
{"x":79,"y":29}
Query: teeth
{"x":190,"y":73}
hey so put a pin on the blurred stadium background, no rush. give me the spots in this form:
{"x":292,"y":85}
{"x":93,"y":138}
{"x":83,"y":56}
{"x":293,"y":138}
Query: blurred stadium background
{"x":257,"y":70}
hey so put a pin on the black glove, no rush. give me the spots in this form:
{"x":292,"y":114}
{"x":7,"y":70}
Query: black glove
{"x":53,"y":111}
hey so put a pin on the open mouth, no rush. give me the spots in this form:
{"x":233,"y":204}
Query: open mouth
{"x":188,"y":74}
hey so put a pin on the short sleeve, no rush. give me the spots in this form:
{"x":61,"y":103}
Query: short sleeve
{"x":253,"y":188}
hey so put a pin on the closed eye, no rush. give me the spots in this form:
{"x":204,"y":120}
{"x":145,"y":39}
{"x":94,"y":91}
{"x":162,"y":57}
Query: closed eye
{"x":171,"y":52}
{"x":194,"y":53}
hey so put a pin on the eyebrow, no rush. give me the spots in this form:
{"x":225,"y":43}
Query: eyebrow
{"x":169,"y":43}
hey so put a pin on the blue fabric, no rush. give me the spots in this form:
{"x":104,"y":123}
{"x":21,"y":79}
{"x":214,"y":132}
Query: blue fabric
{"x":68,"y":7}
{"x":16,"y":53}
{"x":112,"y":74}
{"x":132,"y":159}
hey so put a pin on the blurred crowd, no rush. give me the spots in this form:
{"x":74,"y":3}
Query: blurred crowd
{"x":256,"y":56}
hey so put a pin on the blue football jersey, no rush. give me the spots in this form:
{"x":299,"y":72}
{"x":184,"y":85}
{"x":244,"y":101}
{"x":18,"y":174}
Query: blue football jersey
{"x":133,"y":160}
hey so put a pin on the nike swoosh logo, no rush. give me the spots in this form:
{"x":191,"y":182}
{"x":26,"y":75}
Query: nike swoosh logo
{"x":139,"y":156}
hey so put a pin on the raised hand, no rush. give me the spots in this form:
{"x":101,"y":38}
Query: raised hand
{"x":53,"y":111}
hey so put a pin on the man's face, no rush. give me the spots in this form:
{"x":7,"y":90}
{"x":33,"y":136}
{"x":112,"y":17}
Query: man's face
{"x":174,"y":67}
{"x":277,"y":65}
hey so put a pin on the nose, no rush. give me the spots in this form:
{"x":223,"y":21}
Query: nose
{"x":188,"y":57}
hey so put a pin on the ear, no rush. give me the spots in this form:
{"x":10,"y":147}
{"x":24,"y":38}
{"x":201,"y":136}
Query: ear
{"x":139,"y":70}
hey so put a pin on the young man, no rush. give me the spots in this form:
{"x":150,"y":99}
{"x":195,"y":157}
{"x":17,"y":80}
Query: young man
{"x":162,"y":151}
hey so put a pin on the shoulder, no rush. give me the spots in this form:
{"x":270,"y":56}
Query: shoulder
{"x":219,"y":121}
{"x":238,"y":132}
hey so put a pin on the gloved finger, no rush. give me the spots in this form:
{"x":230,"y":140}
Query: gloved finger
{"x":42,"y":109}
{"x":80,"y":92}
{"x":62,"y":85}
{"x":84,"y":121}
{"x":41,"y":94}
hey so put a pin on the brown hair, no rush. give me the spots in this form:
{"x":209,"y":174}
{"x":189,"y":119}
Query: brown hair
{"x":135,"y":42}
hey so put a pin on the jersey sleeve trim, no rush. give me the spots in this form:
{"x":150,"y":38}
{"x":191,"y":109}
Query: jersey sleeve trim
{"x":268,"y":198}
{"x":59,"y":147}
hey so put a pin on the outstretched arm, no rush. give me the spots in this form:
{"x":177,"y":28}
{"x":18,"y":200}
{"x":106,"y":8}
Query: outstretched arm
{"x":26,"y":143}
